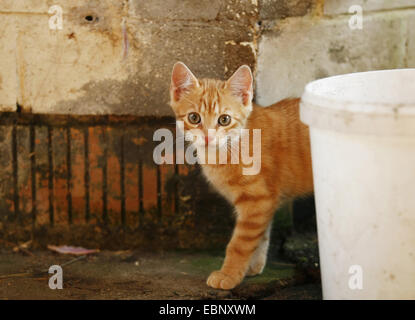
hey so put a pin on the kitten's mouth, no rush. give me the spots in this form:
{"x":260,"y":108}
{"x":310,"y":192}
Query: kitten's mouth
{"x":205,"y":143}
{"x":209,"y":139}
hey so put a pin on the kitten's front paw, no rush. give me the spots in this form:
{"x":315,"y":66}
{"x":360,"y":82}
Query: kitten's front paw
{"x":257,"y":265}
{"x":255,"y":268}
{"x":220,"y":280}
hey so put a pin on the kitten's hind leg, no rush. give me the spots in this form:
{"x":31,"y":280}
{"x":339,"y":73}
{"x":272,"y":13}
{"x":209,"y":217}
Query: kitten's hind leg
{"x":259,"y":258}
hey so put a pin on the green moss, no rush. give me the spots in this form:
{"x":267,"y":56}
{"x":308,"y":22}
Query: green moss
{"x":205,"y":264}
{"x":273,"y":271}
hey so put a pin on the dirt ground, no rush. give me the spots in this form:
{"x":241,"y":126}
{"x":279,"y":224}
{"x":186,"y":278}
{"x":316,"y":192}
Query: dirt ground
{"x":136,"y":275}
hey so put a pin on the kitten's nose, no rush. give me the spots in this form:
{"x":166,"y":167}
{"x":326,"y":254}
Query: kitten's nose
{"x":208,"y":139}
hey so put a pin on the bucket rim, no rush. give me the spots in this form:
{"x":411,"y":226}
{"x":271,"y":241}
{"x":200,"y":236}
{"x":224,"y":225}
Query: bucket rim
{"x":311,"y":95}
{"x":330,"y":103}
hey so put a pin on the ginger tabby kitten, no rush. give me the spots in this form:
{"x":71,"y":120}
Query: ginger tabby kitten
{"x":285,"y":160}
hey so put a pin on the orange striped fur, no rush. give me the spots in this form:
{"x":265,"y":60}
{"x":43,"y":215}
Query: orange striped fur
{"x":285,"y":161}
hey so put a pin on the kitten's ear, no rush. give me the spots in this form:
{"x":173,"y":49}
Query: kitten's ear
{"x":182,"y":80}
{"x":241,"y":84}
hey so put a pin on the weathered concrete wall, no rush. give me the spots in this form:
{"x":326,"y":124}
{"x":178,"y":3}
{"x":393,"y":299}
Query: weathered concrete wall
{"x":342,"y":6}
{"x":115,"y":57}
{"x":296,"y":50}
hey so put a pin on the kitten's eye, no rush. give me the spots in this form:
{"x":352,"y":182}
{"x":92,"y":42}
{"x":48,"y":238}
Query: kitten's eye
{"x":194,"y":118}
{"x":224,"y":120}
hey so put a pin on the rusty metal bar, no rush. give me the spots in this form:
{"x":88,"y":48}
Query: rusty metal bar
{"x":76,"y":121}
{"x":122,"y":178}
{"x":176,"y":184}
{"x":140,"y":192}
{"x":105,"y":177}
{"x":69,"y":173}
{"x":86,"y":173}
{"x":159,"y":203}
{"x":15,"y":174}
{"x":50,"y":177}
{"x":32,"y":138}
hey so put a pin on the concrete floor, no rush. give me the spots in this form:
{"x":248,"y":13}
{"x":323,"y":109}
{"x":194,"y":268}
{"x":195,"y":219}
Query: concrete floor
{"x":135,"y":275}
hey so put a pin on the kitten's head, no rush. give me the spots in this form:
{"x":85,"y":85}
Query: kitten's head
{"x":211,"y":109}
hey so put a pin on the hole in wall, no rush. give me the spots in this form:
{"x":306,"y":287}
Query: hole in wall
{"x":259,"y":24}
{"x":91,"y":18}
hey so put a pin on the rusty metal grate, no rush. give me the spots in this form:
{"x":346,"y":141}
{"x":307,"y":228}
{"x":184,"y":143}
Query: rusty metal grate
{"x":92,"y":180}
{"x":58,"y":169}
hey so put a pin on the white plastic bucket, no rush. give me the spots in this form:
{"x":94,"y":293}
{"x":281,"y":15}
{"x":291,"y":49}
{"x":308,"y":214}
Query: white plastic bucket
{"x":362,"y":130}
